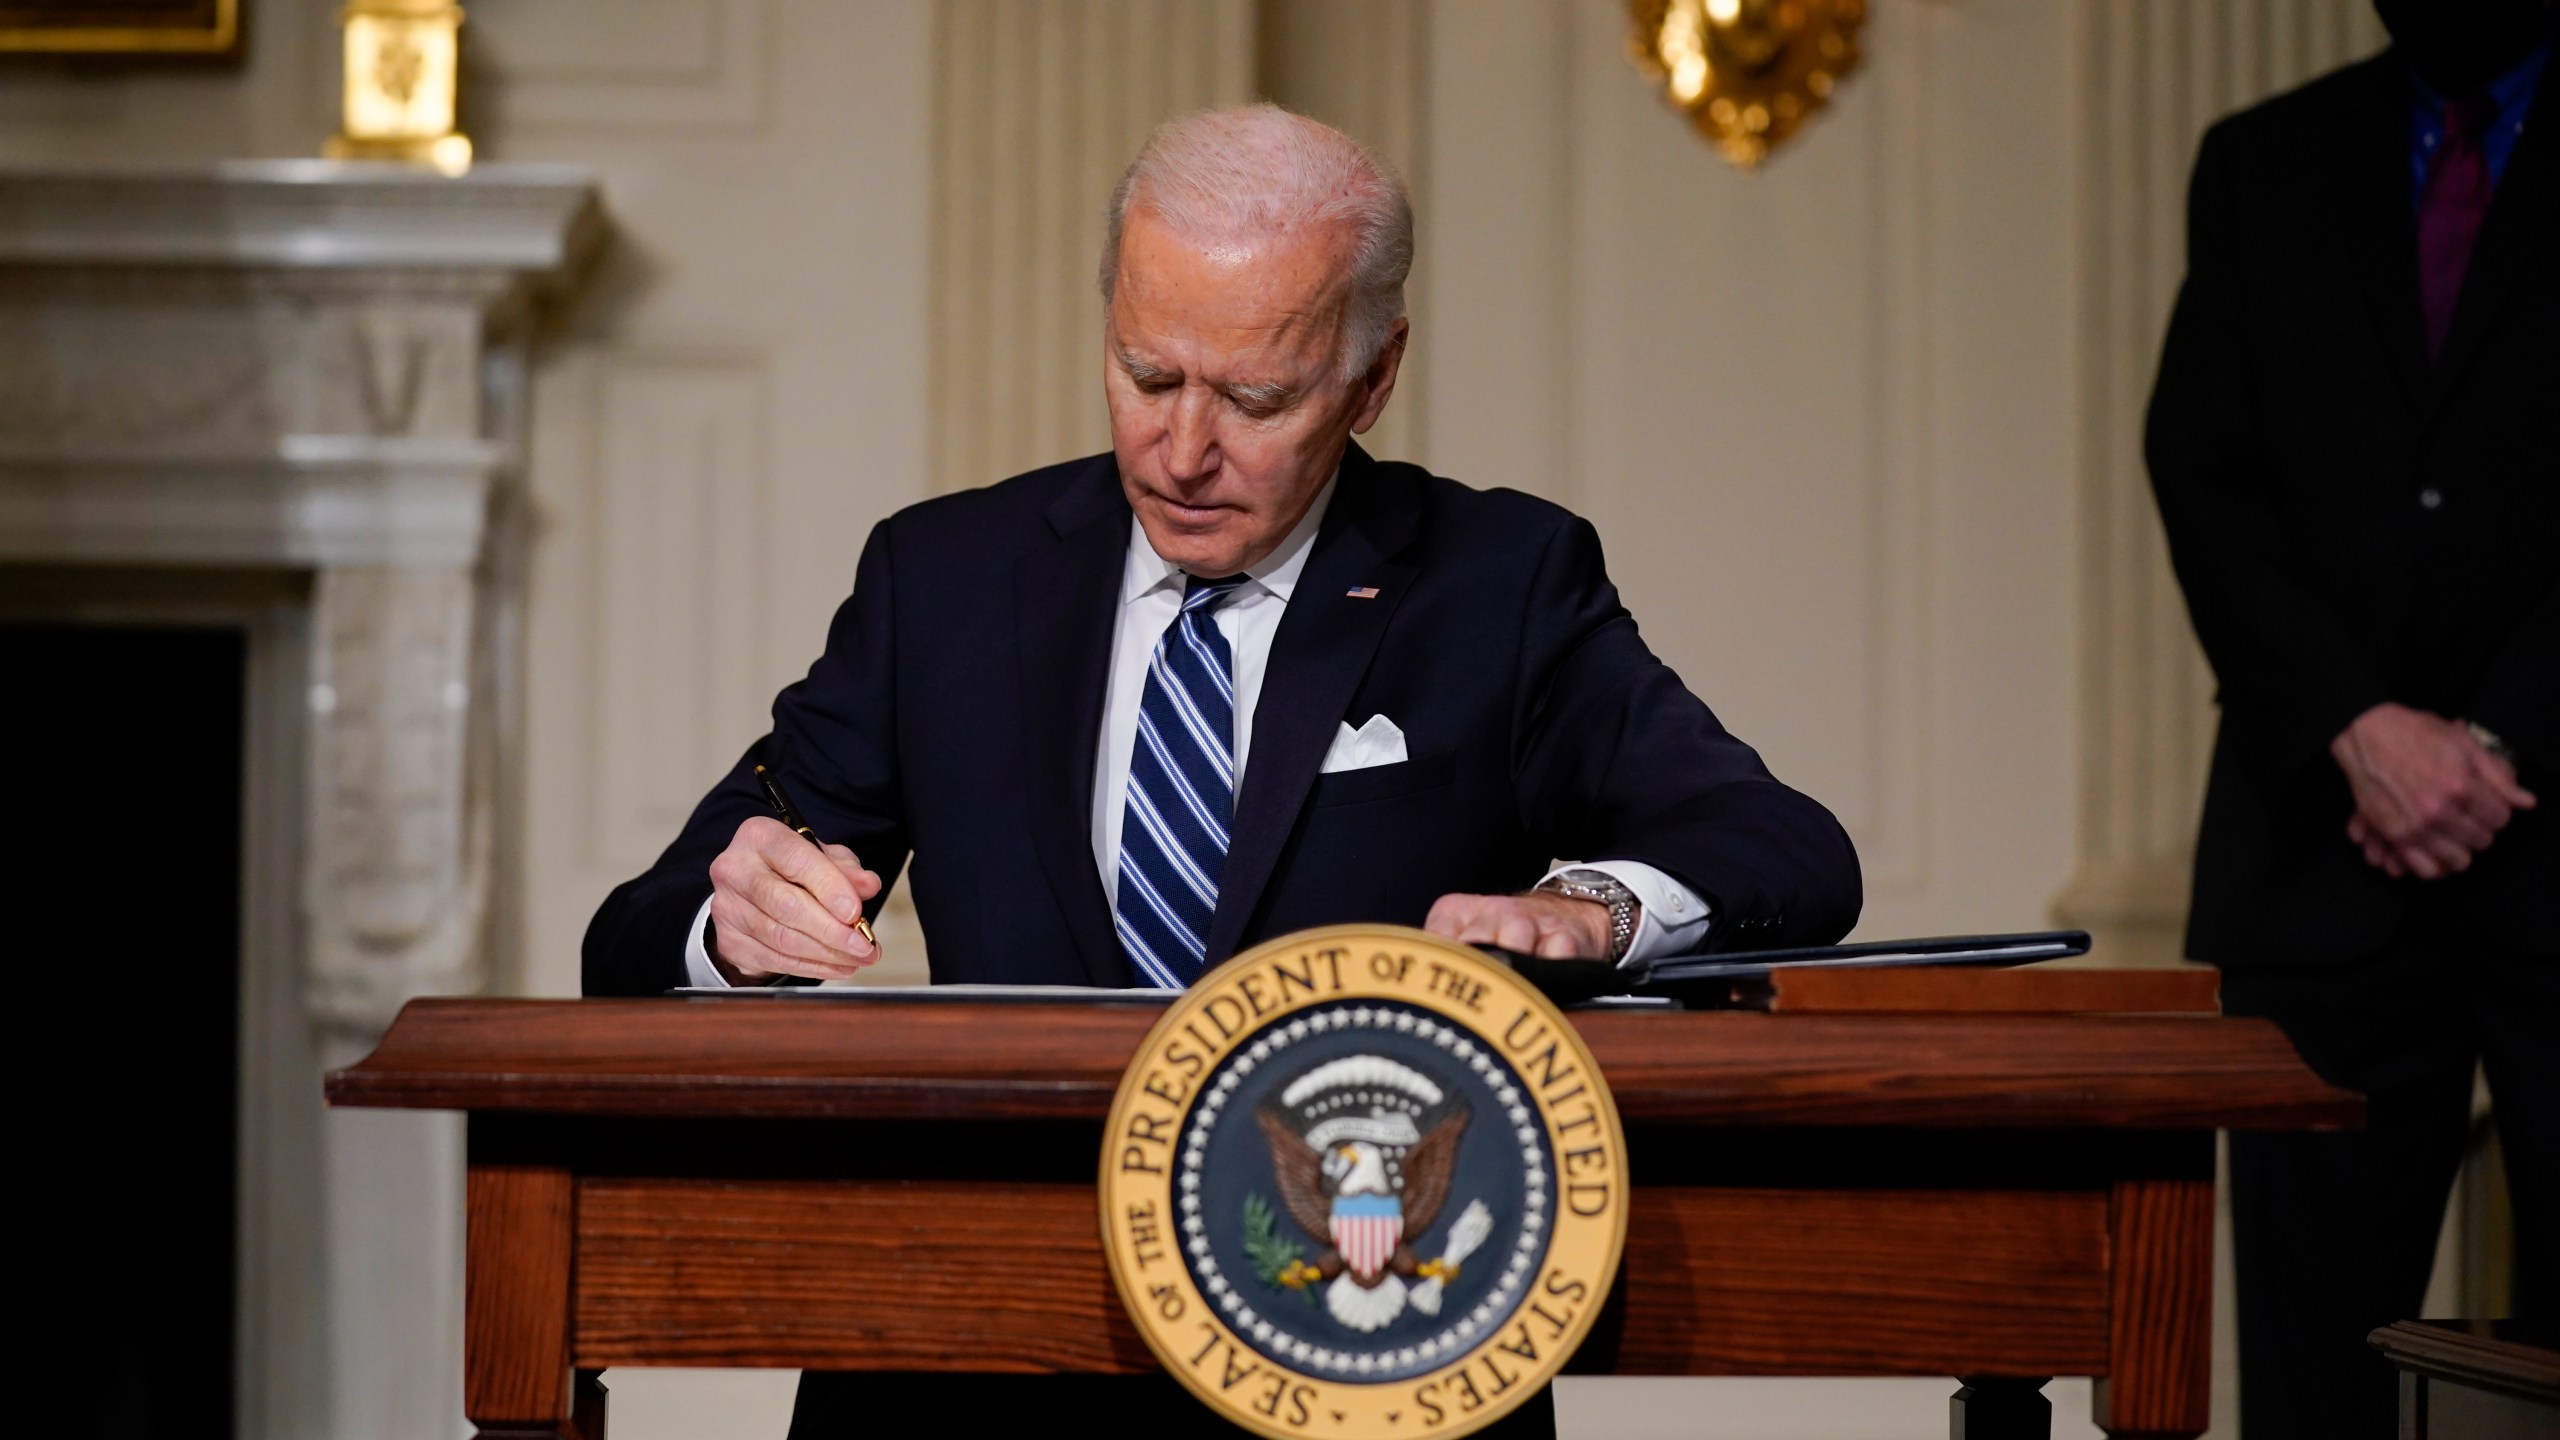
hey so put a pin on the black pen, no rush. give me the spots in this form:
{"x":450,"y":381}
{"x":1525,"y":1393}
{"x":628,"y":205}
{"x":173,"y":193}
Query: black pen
{"x":791,"y":817}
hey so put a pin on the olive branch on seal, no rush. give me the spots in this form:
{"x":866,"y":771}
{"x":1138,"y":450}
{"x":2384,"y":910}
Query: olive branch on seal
{"x":1272,"y":1254}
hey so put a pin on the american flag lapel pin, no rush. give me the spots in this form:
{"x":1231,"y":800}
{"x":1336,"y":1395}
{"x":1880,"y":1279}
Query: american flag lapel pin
{"x":1363,"y":592}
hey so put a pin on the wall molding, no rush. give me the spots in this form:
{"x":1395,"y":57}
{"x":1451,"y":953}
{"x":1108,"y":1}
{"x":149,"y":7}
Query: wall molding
{"x":654,"y":473}
{"x":591,"y":65}
{"x":588,"y":67}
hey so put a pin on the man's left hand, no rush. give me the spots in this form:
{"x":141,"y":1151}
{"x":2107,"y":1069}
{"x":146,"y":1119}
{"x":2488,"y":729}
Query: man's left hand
{"x":1551,"y":926}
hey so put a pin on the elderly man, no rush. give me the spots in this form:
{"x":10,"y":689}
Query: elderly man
{"x":1133,"y":712}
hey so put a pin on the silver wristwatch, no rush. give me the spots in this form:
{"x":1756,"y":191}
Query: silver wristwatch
{"x":1600,"y":887}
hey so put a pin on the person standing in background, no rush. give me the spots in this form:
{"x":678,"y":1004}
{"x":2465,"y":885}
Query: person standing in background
{"x":2355,"y":444}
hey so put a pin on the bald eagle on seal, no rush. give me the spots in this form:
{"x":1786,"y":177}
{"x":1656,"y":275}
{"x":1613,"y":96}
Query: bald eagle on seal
{"x":1363,"y":1150}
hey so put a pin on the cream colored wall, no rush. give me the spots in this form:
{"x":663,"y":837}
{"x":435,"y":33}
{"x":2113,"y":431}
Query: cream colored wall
{"x":1823,"y":414}
{"x":739,"y":396}
{"x":1037,"y":108}
{"x":1854,"y":428}
{"x":1828,"y":416}
{"x":739,"y":393}
{"x":2151,"y":77}
{"x":1819,"y":413}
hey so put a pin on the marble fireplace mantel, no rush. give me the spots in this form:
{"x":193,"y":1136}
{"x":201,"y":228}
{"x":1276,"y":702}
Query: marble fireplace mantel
{"x":319,"y":367}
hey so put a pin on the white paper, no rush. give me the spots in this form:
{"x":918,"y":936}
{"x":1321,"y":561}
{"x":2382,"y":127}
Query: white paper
{"x":861,"y":990}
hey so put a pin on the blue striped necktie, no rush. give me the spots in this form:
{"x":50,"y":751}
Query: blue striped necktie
{"x":1182,"y":787}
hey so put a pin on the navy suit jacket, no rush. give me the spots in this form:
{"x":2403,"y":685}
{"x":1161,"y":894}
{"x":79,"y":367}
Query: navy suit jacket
{"x":953,"y":718}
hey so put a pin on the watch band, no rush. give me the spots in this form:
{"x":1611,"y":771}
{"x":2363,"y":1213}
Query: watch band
{"x":1603,"y":888}
{"x":2491,"y":741}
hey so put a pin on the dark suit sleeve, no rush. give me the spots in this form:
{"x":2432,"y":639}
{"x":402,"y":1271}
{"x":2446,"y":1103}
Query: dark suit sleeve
{"x":834,"y":743}
{"x":2290,"y":675}
{"x":1618,"y":760}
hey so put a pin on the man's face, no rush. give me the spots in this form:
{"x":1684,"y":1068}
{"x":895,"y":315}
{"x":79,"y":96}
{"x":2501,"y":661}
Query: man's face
{"x":1221,"y":363}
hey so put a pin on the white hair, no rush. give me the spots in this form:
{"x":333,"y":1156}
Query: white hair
{"x":1257,"y":169}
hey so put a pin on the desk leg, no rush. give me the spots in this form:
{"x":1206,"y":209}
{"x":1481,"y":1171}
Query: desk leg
{"x":586,"y":1405}
{"x":2159,"y":1380}
{"x":2000,"y":1407}
{"x":516,"y":1381}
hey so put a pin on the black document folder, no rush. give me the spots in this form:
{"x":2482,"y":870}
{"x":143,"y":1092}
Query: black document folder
{"x":1738,"y":979}
{"x":1726,"y":980}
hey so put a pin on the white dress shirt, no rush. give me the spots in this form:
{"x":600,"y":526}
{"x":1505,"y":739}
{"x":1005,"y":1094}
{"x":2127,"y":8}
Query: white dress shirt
{"x":1151,"y":589}
{"x":1150,"y":596}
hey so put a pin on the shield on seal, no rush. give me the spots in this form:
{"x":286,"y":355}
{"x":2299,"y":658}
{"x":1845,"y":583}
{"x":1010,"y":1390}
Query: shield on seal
{"x":1366,"y":1229}
{"x":1366,"y":1143}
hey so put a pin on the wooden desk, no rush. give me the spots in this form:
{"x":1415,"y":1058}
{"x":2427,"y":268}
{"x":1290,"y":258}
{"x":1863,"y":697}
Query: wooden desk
{"x":2000,"y":1197}
{"x":2475,"y":1379}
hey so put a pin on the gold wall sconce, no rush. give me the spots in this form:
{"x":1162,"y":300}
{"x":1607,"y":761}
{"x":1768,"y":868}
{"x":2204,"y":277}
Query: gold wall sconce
{"x":403,"y":59}
{"x":1747,"y":72}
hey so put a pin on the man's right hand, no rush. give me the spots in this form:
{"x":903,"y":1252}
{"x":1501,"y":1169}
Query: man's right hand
{"x":782,"y":906}
{"x":2428,"y":796}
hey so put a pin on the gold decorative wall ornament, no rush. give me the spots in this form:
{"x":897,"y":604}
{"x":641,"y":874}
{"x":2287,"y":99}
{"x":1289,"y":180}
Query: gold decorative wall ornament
{"x":402,"y":64}
{"x":1748,"y":72}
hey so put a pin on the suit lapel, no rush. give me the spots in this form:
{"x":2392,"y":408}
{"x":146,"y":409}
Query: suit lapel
{"x":2381,"y":228}
{"x":1321,"y":650}
{"x":2516,"y":231}
{"x":1066,"y":601}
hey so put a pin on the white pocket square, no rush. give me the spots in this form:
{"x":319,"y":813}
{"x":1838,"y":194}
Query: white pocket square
{"x":1377,"y":743}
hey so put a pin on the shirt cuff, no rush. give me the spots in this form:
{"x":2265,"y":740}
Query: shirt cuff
{"x":700,"y":973}
{"x":1670,"y":917}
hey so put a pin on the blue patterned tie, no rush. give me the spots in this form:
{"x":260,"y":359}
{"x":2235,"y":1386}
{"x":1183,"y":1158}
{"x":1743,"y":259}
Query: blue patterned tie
{"x":1182,"y":787}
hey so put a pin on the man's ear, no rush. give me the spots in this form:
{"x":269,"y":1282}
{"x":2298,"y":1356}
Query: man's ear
{"x":1380,"y":382}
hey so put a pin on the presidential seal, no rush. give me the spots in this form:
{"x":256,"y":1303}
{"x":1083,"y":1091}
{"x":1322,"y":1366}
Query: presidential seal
{"x":1363,"y":1182}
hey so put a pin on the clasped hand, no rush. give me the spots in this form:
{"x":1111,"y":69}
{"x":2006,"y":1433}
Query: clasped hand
{"x":2429,"y":797}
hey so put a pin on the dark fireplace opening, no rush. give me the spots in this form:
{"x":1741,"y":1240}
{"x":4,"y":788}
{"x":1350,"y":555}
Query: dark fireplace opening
{"x":123,"y":750}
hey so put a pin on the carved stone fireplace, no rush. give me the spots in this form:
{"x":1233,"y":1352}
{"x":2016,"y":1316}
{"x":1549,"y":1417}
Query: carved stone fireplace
{"x":289,"y":397}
